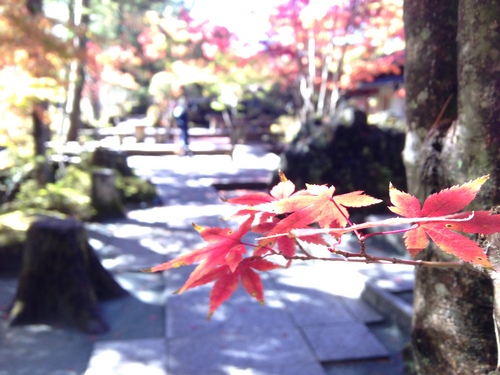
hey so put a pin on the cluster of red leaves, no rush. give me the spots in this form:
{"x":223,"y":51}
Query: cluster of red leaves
{"x":443,"y":232}
{"x":227,"y":259}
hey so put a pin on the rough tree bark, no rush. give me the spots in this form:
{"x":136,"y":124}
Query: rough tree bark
{"x":452,"y":79}
{"x":430,"y":77}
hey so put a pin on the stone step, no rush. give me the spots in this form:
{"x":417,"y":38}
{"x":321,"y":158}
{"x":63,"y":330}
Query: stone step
{"x":388,"y":302}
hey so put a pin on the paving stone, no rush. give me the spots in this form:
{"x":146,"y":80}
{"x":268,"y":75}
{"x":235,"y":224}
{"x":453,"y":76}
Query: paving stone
{"x":313,"y":310}
{"x":309,"y":294}
{"x":128,"y":246}
{"x":133,"y":316}
{"x":315,"y":307}
{"x":275,"y":352}
{"x":338,"y":342}
{"x":361,"y":311}
{"x":42,"y":350}
{"x":131,"y":357}
{"x":306,"y":368}
{"x":187,"y":314}
{"x":337,"y":278}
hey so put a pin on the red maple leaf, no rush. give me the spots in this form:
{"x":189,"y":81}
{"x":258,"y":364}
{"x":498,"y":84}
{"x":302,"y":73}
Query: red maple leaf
{"x":225,"y":248}
{"x":444,"y":206}
{"x":316,"y":204}
{"x":227,"y":281}
{"x":285,"y":244}
{"x":283,"y":189}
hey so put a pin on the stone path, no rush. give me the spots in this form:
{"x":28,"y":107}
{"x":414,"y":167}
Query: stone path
{"x":313,"y":310}
{"x":314,"y":313}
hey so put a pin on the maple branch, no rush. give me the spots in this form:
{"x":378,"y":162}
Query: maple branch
{"x":345,"y":254}
{"x":396,"y":231}
{"x":362,"y":247}
{"x":302,"y":248}
{"x":364,"y":257}
{"x":271,"y":250}
{"x":370,"y":224}
{"x":357,"y":258}
{"x":223,"y":260}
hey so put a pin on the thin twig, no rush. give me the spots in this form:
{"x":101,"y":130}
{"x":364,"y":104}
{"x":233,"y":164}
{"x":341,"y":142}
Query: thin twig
{"x":384,"y":260}
{"x":303,"y":249}
{"x":396,"y":231}
{"x":370,"y":224}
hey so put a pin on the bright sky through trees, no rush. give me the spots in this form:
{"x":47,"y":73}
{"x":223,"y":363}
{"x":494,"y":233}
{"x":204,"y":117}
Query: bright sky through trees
{"x":249,"y":20}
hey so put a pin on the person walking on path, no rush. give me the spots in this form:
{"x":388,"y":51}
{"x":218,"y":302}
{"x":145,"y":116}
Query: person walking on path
{"x":180,"y":114}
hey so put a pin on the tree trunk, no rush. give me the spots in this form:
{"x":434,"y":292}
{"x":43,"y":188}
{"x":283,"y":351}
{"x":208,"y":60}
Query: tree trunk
{"x":40,"y":128}
{"x":77,"y":69}
{"x":453,"y":328}
{"x":453,"y":331}
{"x":62,"y":278}
{"x":430,"y":80}
{"x":77,"y":78}
{"x":34,"y":6}
{"x":41,"y":135}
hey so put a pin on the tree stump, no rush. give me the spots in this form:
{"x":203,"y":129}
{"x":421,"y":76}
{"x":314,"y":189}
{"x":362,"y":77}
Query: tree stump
{"x":105,"y":196}
{"x":106,"y":158}
{"x":62,"y":278}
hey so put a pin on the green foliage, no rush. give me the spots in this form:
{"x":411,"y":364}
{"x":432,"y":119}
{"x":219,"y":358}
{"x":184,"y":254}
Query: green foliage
{"x":69,"y":195}
{"x":135,"y":190}
{"x":111,"y":19}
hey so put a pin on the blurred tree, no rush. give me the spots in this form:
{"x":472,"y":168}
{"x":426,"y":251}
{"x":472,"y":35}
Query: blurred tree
{"x":30,"y":58}
{"x":318,"y":48}
{"x":185,"y":46}
{"x":118,"y":71}
{"x":312,"y":48}
{"x":193,"y":54}
{"x":31,"y":55}
{"x":41,"y":132}
{"x":79,"y":22}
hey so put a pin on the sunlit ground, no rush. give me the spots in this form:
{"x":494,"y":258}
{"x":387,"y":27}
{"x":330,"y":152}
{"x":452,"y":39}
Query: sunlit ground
{"x":301,"y":297}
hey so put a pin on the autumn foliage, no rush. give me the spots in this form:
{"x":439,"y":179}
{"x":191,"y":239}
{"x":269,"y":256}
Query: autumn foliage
{"x":285,"y":219}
